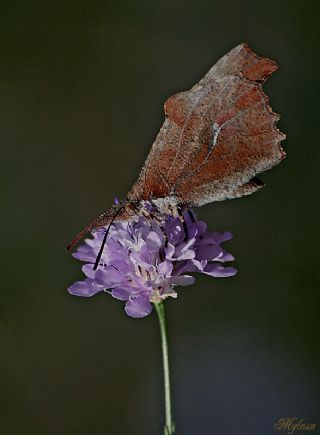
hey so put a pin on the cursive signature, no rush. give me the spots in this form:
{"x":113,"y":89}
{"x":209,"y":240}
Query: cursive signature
{"x":292,"y":424}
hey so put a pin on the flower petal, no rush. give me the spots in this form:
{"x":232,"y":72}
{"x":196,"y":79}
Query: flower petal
{"x":226,"y":256}
{"x":208,"y":252}
{"x":182,"y":280}
{"x":123,"y":293}
{"x":88,"y":270}
{"x":221,"y":237}
{"x":85,"y":288}
{"x":109,"y":277}
{"x":138,"y":306}
{"x":85,"y":253}
{"x":183,"y":251}
{"x":219,"y":271}
{"x":165,"y":268}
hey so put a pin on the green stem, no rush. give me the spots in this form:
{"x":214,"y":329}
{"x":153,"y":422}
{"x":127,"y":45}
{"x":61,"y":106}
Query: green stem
{"x":169,"y":427}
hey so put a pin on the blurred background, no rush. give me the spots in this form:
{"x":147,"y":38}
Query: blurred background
{"x":82,"y":87}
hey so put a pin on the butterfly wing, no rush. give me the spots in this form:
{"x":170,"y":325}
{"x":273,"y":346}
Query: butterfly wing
{"x":216,"y":137}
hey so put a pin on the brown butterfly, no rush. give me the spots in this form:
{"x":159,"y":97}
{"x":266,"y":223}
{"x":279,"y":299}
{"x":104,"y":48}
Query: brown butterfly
{"x":215,"y":138}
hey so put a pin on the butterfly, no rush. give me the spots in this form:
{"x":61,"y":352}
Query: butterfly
{"x":215,"y":139}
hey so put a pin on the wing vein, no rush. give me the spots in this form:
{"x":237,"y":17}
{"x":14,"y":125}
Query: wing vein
{"x":182,"y":177}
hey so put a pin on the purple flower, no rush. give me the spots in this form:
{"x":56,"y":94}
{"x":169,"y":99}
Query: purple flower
{"x":144,"y":261}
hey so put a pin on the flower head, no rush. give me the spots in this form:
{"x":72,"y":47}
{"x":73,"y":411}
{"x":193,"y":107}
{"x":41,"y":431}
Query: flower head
{"x":144,"y":261}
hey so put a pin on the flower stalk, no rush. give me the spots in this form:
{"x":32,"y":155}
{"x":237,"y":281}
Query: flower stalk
{"x":169,"y":426}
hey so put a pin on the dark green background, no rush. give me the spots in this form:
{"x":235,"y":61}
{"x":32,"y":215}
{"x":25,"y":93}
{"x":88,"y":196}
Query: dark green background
{"x":82,"y":86}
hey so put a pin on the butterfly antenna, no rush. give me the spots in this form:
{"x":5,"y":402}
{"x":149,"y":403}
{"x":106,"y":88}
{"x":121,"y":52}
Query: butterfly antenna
{"x":79,"y":236}
{"x":96,"y":264}
{"x":95,"y":223}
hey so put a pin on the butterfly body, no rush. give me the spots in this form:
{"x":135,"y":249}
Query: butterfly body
{"x":154,"y":208}
{"x":215,"y":139}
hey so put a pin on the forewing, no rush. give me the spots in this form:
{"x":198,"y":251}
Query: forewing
{"x":216,"y":137}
